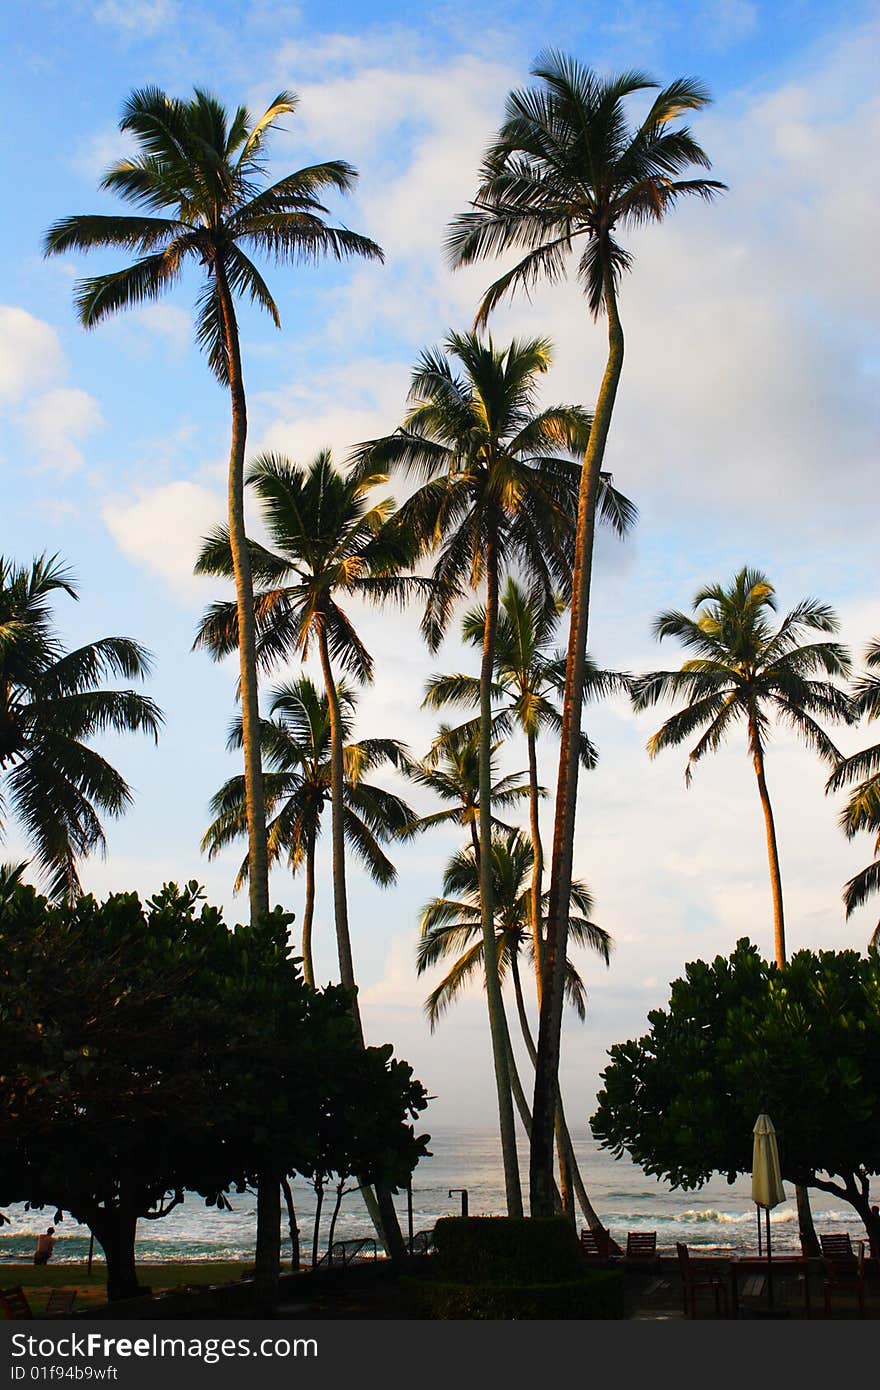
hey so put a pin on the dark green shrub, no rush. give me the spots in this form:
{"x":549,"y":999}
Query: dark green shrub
{"x":506,"y":1250}
{"x":596,"y":1294}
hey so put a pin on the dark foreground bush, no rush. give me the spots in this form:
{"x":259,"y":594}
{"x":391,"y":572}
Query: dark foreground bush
{"x":506,"y":1250}
{"x":596,"y":1294}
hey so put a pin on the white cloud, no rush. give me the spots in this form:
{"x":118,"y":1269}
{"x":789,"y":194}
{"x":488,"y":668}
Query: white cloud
{"x":136,"y":16}
{"x":162,"y":530}
{"x":57,"y":423}
{"x":31,"y":355}
{"x":167,"y":322}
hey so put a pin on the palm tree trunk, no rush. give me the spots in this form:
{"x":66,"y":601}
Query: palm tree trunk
{"x":497,"y":1026}
{"x":379,"y":1205}
{"x":292,"y":1227}
{"x":537,"y":865}
{"x":308,"y":914}
{"x":564,"y":1145}
{"x":268,"y":1250}
{"x":772,"y":850}
{"x":809,"y":1239}
{"x":550,"y":1030}
{"x":337,"y":812}
{"x":258,"y":865}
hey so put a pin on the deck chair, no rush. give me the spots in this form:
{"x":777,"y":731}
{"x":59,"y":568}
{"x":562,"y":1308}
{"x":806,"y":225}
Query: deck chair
{"x":694,"y":1282}
{"x":596,"y":1245}
{"x":641,"y":1249}
{"x":837,"y":1247}
{"x":60,"y":1303}
{"x":845,"y":1276}
{"x":14,"y":1304}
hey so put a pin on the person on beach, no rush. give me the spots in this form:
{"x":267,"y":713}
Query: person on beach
{"x":45,"y":1246}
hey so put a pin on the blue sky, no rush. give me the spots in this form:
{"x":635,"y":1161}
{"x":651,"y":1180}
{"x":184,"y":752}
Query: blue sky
{"x":746,"y":429}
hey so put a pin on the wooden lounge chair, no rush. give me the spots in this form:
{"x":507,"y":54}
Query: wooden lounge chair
{"x":694,"y":1282}
{"x":60,"y":1303}
{"x":14,"y":1304}
{"x":844,"y":1275}
{"x":641,"y":1249}
{"x":596,"y":1245}
{"x":837,"y":1246}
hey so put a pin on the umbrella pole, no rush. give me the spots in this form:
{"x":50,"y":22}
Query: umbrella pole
{"x":760,"y":1246}
{"x":769,"y":1264}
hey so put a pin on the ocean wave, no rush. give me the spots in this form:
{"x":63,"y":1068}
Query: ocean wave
{"x":733,"y":1218}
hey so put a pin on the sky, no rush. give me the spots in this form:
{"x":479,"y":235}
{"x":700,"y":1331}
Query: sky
{"x":746,"y":431}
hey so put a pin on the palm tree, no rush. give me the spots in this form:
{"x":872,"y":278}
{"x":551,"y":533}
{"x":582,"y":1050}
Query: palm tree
{"x":862,"y":811}
{"x":528,"y":675}
{"x":200,"y":178}
{"x":451,"y":771}
{"x":500,"y":490}
{"x":331,"y":543}
{"x":566,"y":170}
{"x":51,"y":706}
{"x":450,"y":924}
{"x":748,"y":671}
{"x":295,"y":742}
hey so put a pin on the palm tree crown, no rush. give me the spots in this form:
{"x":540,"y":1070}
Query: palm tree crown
{"x":296,"y":753}
{"x":200,"y":177}
{"x":450,"y":926}
{"x":50,"y":707}
{"x":500,"y":480}
{"x":296,"y":748}
{"x":452,"y":772}
{"x":566,"y":167}
{"x":748,"y":669}
{"x":330,"y":540}
{"x":862,"y":811}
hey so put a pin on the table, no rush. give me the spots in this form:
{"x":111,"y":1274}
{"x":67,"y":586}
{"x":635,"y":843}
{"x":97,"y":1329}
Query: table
{"x":757,"y":1264}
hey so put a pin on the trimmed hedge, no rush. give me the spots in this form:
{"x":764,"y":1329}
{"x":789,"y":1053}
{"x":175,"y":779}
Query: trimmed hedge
{"x":505,"y":1267}
{"x":596,"y":1294}
{"x":506,"y":1250}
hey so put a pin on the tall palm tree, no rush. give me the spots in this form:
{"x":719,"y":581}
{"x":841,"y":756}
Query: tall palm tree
{"x":529,"y":677}
{"x":748,"y":671}
{"x":500,"y":490}
{"x":450,"y":924}
{"x":51,"y":706}
{"x":566,"y":171}
{"x":199,"y":183}
{"x":332,"y":542}
{"x":862,"y":811}
{"x":295,"y":743}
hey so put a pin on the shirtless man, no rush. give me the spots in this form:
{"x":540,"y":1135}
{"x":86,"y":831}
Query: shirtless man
{"x":45,"y":1246}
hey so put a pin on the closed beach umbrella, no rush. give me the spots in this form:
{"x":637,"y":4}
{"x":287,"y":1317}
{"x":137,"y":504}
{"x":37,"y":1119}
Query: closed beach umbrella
{"x":767,"y":1189}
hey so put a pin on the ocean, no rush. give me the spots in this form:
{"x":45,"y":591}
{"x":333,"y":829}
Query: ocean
{"x":717,"y":1218}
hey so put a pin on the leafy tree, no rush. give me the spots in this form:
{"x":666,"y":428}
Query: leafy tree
{"x":51,"y":707}
{"x":741,"y":1036}
{"x":500,"y":489}
{"x":566,"y":171}
{"x":746,"y":672}
{"x":295,"y":743}
{"x":333,"y":543}
{"x":862,"y":811}
{"x":149,"y":1051}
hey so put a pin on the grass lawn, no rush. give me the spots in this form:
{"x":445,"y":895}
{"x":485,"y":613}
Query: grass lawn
{"x":38,"y":1280}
